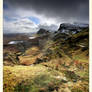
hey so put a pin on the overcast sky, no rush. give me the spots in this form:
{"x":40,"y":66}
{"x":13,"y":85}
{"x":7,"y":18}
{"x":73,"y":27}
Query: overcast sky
{"x":31,"y":15}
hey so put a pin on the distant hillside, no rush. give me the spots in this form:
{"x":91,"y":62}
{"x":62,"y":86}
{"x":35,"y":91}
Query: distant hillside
{"x":43,"y":32}
{"x":64,"y":44}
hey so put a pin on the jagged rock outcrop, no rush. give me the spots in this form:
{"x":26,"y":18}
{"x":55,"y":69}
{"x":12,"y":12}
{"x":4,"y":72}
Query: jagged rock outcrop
{"x":43,"y":31}
{"x":71,"y":28}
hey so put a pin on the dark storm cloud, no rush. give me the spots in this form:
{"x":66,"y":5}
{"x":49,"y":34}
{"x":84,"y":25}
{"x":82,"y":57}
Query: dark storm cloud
{"x":62,"y":9}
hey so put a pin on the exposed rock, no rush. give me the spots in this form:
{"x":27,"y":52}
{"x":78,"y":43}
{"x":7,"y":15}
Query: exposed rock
{"x":43,"y":31}
{"x":71,"y":28}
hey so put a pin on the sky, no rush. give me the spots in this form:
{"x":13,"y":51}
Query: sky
{"x":31,"y":15}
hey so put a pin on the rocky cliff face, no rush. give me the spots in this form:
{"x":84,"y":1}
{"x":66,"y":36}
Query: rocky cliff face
{"x":71,"y":28}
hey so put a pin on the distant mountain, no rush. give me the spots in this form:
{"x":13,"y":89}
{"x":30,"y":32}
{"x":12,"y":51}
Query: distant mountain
{"x":72,"y":26}
{"x":43,"y":31}
{"x":69,"y":28}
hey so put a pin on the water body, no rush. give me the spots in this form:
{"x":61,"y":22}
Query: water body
{"x":32,"y":37}
{"x":15,"y":42}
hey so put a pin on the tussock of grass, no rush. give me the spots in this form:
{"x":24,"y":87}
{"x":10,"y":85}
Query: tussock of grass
{"x":80,"y":87}
{"x":42,"y":82}
{"x":27,"y":78}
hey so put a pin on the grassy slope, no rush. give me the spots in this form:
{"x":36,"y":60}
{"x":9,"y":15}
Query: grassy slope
{"x":66,"y":71}
{"x":30,"y":78}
